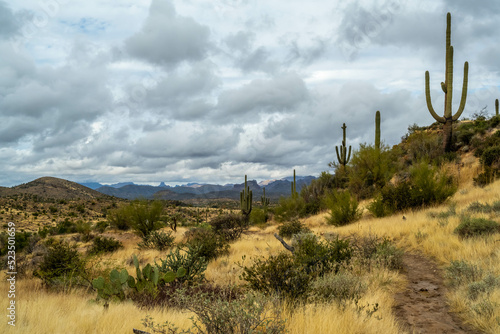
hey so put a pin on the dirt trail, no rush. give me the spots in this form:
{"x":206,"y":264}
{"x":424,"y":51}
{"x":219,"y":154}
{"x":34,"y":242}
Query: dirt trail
{"x":422,"y":307}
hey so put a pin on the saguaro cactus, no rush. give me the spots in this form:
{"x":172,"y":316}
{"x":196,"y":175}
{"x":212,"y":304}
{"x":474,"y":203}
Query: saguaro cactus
{"x":265,"y":201}
{"x":246,"y":199}
{"x":377,"y":130}
{"x":343,"y":158}
{"x":447,"y":88}
{"x":295,"y":194}
{"x":496,"y":106}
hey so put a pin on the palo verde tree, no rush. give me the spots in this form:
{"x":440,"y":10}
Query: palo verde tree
{"x":447,"y":87}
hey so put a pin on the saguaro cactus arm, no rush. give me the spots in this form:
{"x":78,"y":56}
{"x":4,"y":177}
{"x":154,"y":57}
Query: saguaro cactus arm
{"x":463,"y":99}
{"x":438,"y":118}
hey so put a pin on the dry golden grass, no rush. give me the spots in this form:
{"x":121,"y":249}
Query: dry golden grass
{"x":39,"y":311}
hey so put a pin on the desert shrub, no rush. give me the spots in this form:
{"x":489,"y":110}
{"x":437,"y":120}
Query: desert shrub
{"x":248,"y":315}
{"x":388,"y":255}
{"x":207,"y":243}
{"x":118,"y":218}
{"x":377,"y":207}
{"x":425,"y":186}
{"x":471,"y":227}
{"x":319,"y":257}
{"x":288,"y":275}
{"x":370,"y":169}
{"x":258,"y":216}
{"x":277,"y":275}
{"x":478,"y":207}
{"x":104,"y":245}
{"x":229,"y":226}
{"x":101,"y":226}
{"x":188,"y":258}
{"x":290,"y":208}
{"x":490,"y":160}
{"x":61,"y":265}
{"x":423,"y":145}
{"x":485,"y":286}
{"x":165,"y":295}
{"x":371,"y":249}
{"x":158,"y":240}
{"x":460,"y":273}
{"x":341,"y":288}
{"x":22,"y":241}
{"x":343,"y":208}
{"x":288,"y":229}
{"x":313,"y":193}
{"x":64,"y":227}
{"x":142,"y":216}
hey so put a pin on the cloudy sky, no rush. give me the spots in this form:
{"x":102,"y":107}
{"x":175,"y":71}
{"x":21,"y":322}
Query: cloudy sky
{"x":211,"y":90}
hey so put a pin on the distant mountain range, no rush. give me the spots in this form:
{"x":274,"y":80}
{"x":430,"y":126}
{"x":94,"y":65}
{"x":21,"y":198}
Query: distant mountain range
{"x":129,"y":190}
{"x":55,"y":188}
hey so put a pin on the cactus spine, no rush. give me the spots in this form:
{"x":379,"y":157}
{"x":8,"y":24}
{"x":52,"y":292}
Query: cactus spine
{"x":295,"y":194}
{"x":343,"y":158}
{"x":496,"y":106}
{"x":377,"y":130}
{"x":246,"y":199}
{"x":447,"y":88}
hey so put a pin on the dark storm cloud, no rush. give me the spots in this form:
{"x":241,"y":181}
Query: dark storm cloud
{"x":167,"y":38}
{"x":10,"y":24}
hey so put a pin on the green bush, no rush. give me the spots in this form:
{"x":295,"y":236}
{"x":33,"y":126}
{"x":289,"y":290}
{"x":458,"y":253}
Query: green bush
{"x":370,"y":170}
{"x":61,"y":265}
{"x":22,"y":241}
{"x":277,"y":275}
{"x":471,"y":227}
{"x":288,"y":275}
{"x":290,"y":208}
{"x":424,"y":186}
{"x":313,"y":193}
{"x":142,"y":216}
{"x":319,"y":257}
{"x":258,"y":216}
{"x":158,"y":240}
{"x":288,"y":229}
{"x":229,"y":226}
{"x":343,"y":208}
{"x":104,"y":245}
{"x":207,"y":243}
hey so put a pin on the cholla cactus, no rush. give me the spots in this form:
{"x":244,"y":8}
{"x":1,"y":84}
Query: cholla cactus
{"x":447,"y":88}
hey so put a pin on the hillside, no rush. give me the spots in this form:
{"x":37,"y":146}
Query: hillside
{"x":51,"y":187}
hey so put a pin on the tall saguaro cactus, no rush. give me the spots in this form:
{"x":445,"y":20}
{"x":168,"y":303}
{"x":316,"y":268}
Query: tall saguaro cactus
{"x":447,"y":87}
{"x":496,"y":106}
{"x":265,"y":200}
{"x":295,"y":194}
{"x":343,"y":157}
{"x":377,"y":130}
{"x":246,"y":200}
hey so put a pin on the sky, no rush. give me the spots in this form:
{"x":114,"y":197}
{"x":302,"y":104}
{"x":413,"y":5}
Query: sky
{"x":208,"y":91}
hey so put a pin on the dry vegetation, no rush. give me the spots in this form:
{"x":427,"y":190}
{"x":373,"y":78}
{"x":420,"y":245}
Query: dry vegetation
{"x":43,"y":311}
